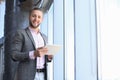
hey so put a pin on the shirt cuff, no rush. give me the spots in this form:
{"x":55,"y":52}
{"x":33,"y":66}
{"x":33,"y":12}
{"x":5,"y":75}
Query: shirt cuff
{"x":31,"y":55}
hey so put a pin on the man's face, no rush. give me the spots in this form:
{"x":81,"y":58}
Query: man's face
{"x":35,"y":18}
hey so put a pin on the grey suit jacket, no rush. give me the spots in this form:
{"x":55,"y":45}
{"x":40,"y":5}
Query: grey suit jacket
{"x":21,"y":45}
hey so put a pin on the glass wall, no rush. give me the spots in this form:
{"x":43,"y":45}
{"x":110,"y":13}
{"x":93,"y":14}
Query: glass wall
{"x":85,"y":40}
{"x":108,"y":14}
{"x":69,"y":40}
{"x":72,"y":24}
{"x":59,"y":58}
{"x":2,"y":13}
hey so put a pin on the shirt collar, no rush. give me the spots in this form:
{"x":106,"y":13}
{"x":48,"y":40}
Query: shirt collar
{"x":33,"y":30}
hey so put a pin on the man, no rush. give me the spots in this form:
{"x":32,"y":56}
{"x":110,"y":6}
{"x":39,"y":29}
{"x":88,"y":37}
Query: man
{"x":28,"y":48}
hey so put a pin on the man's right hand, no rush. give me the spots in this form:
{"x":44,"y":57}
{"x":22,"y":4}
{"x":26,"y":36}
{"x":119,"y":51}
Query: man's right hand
{"x":40,"y":52}
{"x":36,"y":53}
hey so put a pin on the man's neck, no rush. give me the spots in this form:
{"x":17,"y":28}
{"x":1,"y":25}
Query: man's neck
{"x":35,"y":29}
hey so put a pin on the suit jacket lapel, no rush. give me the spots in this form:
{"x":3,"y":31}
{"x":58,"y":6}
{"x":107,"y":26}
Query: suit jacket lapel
{"x":30,"y":36}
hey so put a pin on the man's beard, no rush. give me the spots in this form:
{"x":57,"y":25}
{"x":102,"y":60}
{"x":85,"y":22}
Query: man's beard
{"x":33,"y":25}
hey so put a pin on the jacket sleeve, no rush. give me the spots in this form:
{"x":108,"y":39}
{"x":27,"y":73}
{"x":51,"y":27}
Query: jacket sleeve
{"x":16,"y":49}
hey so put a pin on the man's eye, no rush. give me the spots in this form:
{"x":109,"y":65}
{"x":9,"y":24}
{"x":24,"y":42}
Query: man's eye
{"x":33,"y":16}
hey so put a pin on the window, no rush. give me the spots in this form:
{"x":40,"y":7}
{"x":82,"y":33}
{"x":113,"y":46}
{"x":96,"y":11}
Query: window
{"x":108,"y":18}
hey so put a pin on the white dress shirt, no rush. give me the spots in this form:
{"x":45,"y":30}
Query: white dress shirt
{"x":39,"y":42}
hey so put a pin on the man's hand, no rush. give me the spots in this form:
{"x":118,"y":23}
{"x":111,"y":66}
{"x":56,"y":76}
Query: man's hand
{"x":50,"y":57}
{"x":40,"y":52}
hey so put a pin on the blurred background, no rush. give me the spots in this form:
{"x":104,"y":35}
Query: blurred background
{"x":88,"y":31}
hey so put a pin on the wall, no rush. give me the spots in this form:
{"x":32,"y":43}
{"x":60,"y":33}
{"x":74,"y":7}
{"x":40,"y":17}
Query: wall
{"x":72,"y":24}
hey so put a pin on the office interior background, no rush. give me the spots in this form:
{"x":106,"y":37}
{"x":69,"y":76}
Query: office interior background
{"x":87,"y":30}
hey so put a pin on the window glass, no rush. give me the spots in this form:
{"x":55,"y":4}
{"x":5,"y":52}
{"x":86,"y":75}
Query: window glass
{"x":108,"y":14}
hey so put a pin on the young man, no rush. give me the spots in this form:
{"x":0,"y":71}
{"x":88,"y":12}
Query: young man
{"x":28,"y":48}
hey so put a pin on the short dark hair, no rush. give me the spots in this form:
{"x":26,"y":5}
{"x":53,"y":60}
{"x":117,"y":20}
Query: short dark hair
{"x":36,"y":8}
